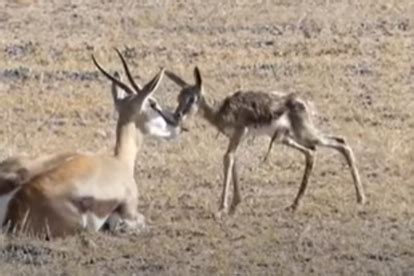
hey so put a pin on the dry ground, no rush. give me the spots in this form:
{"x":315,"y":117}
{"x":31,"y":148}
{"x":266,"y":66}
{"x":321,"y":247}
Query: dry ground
{"x":353,"y":59}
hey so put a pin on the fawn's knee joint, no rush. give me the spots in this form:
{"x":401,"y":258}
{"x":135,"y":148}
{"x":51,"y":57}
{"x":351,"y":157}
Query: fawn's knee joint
{"x":310,"y":157}
{"x":227,"y":157}
{"x":310,"y":154}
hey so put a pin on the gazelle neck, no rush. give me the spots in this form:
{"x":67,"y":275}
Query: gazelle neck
{"x":128,"y":142}
{"x":209,"y":110}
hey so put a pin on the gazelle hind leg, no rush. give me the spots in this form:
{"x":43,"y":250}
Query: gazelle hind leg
{"x":339,"y":144}
{"x":113,"y":222}
{"x":309,"y":164}
{"x":278,"y":135}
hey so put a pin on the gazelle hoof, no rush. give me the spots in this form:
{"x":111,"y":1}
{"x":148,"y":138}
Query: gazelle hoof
{"x":233,"y":207}
{"x":361,"y":200}
{"x":130,"y":226}
{"x":232,"y":210}
{"x":291,"y":208}
{"x":219,"y":215}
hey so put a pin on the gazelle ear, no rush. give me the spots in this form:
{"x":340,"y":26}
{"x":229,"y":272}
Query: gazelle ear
{"x":114,"y":89}
{"x":112,"y":78}
{"x":197,"y":77}
{"x":152,"y":85}
{"x":179,"y":81}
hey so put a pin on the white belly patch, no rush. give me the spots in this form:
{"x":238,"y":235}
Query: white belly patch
{"x":269,"y":130}
{"x":92,"y":222}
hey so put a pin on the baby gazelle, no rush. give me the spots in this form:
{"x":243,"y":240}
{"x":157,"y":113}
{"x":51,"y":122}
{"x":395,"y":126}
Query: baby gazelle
{"x":284,"y":117}
{"x":85,"y":191}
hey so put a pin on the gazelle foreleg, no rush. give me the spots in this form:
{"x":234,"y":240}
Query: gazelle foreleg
{"x":129,"y":215}
{"x":236,"y":188}
{"x":309,"y":164}
{"x":228,"y":166}
{"x":339,"y":144}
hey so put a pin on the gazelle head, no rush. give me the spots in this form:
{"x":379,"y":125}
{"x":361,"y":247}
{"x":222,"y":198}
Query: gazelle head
{"x":139,"y":106}
{"x":13,"y":173}
{"x":190,"y":96}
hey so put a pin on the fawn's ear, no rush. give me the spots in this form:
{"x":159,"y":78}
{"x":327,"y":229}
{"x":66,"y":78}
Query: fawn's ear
{"x":197,"y":77}
{"x":176,"y":79}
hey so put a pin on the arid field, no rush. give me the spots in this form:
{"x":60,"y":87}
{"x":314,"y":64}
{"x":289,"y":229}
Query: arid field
{"x":353,"y":59}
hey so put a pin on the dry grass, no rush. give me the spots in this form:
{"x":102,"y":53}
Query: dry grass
{"x":353,"y":59}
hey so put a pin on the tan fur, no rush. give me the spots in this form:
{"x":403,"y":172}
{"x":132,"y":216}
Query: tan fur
{"x":68,"y":192}
{"x":24,"y":168}
{"x":61,"y":187}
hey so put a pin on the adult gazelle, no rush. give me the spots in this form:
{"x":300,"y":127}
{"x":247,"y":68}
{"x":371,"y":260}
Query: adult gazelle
{"x":84,"y":190}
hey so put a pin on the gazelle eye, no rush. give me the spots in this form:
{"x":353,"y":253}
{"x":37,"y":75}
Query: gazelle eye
{"x":153,"y":104}
{"x":191,"y":100}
